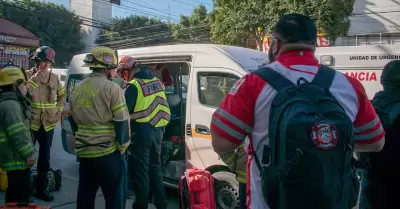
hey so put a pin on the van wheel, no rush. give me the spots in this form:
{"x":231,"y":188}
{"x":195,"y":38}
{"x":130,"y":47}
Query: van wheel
{"x":226,"y":190}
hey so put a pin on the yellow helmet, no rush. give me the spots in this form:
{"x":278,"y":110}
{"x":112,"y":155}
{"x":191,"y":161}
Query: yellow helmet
{"x":101,"y":57}
{"x":12,"y":74}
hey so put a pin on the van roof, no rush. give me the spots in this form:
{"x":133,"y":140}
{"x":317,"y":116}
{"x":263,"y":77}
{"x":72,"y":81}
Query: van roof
{"x":367,"y":57}
{"x":203,"y":55}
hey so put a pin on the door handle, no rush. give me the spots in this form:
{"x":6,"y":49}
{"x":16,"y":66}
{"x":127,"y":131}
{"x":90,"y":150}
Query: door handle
{"x":201,"y":129}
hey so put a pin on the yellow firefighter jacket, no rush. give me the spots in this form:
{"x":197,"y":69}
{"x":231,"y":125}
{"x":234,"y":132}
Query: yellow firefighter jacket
{"x":237,"y":162}
{"x":48,"y":99}
{"x":96,"y":103}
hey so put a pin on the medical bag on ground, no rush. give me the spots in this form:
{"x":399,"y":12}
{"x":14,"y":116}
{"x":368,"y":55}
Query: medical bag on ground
{"x":3,"y":180}
{"x":23,"y":206}
{"x":196,"y":190}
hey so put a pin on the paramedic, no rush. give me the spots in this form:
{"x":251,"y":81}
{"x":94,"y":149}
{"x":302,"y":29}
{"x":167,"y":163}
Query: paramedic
{"x":149,"y":113}
{"x":245,"y":109}
{"x":381,"y":179}
{"x":100,"y":121}
{"x":236,"y":161}
{"x":48,"y":99}
{"x":17,"y":152}
{"x":162,"y":72}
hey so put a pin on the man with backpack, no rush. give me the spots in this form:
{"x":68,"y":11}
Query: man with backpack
{"x":299,"y":117}
{"x":380,"y":182}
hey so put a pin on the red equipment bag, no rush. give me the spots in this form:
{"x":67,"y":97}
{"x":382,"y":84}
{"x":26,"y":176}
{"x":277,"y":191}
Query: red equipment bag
{"x":196,"y":190}
{"x":23,"y":206}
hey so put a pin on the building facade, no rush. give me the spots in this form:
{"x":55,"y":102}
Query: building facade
{"x":16,"y":43}
{"x":373,"y":22}
{"x":94,"y":14}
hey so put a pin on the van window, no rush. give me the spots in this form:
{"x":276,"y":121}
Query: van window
{"x":72,"y":81}
{"x":63,"y":78}
{"x":213,"y":87}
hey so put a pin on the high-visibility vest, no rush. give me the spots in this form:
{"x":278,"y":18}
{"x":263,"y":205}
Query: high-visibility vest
{"x":151,"y":103}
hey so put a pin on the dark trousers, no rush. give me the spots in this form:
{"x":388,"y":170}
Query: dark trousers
{"x":146,"y":162}
{"x":242,"y":195}
{"x":379,"y":193}
{"x":107,"y":172}
{"x":19,"y":184}
{"x":45,"y":140}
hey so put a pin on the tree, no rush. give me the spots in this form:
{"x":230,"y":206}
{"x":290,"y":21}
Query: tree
{"x":235,"y":19}
{"x":55,"y":26}
{"x":135,"y":31}
{"x":193,"y":28}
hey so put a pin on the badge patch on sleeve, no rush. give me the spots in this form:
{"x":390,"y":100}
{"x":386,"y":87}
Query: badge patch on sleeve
{"x":236,"y":87}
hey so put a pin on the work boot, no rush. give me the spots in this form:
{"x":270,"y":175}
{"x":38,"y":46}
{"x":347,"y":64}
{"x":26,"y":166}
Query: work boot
{"x":42,"y":191}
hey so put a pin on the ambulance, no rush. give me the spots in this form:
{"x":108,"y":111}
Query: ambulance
{"x":202,"y":75}
{"x":365,"y":63}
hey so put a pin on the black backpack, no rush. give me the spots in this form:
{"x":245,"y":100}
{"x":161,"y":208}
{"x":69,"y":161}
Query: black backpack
{"x":308,"y":162}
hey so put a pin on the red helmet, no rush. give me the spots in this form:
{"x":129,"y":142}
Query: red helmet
{"x":125,"y":65}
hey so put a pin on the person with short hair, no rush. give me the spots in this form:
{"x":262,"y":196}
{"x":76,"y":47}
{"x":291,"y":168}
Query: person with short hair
{"x":246,"y":109}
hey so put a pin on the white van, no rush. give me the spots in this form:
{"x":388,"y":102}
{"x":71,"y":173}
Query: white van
{"x":62,"y":74}
{"x":365,"y":63}
{"x":202,"y":74}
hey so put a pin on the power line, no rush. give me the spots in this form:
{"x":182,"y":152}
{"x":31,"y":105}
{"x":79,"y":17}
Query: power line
{"x":149,"y":8}
{"x":196,"y":28}
{"x":200,"y":25}
{"x":367,"y":13}
{"x":184,"y":3}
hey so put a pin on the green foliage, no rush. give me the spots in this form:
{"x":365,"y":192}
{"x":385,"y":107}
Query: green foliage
{"x":55,"y":25}
{"x":135,"y":31}
{"x":194,"y":28}
{"x":234,"y":20}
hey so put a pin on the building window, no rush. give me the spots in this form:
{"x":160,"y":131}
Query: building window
{"x":214,"y":86}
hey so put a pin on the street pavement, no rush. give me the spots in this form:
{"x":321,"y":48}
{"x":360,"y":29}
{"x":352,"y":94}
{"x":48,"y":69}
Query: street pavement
{"x":66,"y":197}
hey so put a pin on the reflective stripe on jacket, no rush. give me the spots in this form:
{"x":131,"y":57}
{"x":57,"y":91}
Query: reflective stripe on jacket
{"x":48,"y":99}
{"x":151,"y":103}
{"x":237,"y":162}
{"x":96,"y":103}
{"x":15,"y":134}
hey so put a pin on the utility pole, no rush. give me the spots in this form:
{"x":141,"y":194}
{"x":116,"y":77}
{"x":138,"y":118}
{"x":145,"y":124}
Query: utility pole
{"x":169,"y":14}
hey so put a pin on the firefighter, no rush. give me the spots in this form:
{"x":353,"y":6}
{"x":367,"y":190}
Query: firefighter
{"x":237,"y":161}
{"x":149,"y":114}
{"x":48,"y":99}
{"x":17,"y":153}
{"x":100,"y":121}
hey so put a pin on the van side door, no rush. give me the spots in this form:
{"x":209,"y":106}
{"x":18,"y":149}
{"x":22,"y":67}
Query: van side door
{"x":67,"y":136}
{"x":209,"y":87}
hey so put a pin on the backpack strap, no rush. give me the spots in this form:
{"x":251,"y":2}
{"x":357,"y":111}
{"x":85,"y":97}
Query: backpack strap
{"x":273,"y":78}
{"x":324,"y":77}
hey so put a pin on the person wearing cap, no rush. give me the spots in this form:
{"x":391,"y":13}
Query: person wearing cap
{"x":48,"y":98}
{"x":246,"y":108}
{"x":149,"y":114}
{"x":100,"y":122}
{"x":380,"y":181}
{"x":17,"y":154}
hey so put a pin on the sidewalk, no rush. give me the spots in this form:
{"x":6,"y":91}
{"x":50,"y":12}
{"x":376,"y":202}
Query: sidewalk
{"x":66,"y":197}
